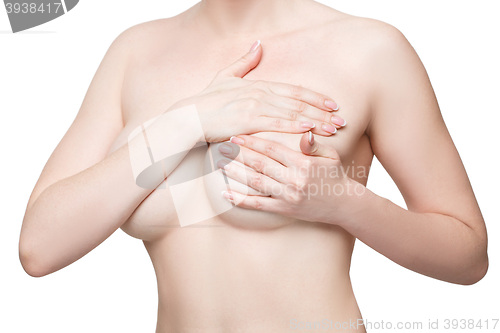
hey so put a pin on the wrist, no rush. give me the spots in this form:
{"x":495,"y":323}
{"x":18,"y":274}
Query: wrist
{"x":353,"y":203}
{"x":204,"y":126}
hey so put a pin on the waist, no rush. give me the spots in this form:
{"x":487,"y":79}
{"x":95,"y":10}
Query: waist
{"x":223,"y":276}
{"x":270,"y":321}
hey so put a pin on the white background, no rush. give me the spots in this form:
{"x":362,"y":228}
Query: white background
{"x":44,"y":75}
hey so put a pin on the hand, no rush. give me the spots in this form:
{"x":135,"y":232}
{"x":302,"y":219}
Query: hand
{"x":231,"y":105}
{"x":310,"y":186}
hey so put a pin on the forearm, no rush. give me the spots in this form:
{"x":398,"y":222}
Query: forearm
{"x":432,"y":244}
{"x":74,"y":215}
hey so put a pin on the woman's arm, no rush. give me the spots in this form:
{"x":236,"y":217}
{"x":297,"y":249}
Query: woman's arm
{"x":82,"y":196}
{"x":442,"y":233}
{"x":60,"y":224}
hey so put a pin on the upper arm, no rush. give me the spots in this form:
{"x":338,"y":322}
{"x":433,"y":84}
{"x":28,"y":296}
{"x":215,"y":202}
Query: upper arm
{"x":408,"y":134}
{"x":97,"y":123}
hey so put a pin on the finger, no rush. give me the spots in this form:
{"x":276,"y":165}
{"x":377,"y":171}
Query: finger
{"x":274,"y":150}
{"x":256,"y":161}
{"x":269,"y":124}
{"x":291,"y":106}
{"x":320,"y":127}
{"x":303,"y":94}
{"x":311,"y":147}
{"x":255,"y":202}
{"x":249,"y":177}
{"x":243,"y":65}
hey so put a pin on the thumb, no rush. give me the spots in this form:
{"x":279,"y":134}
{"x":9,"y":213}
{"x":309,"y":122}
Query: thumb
{"x":311,"y":147}
{"x":243,"y":65}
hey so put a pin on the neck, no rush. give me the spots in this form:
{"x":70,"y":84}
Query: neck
{"x":228,"y":18}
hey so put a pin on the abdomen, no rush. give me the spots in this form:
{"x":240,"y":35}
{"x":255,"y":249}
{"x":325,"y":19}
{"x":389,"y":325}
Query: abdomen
{"x":215,"y":277}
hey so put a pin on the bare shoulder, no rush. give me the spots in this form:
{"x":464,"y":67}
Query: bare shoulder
{"x":375,"y":55}
{"x":144,"y":29}
{"x":139,"y":38}
{"x":367,"y":33}
{"x":380,"y":47}
{"x":360,"y":42}
{"x":388,"y":66}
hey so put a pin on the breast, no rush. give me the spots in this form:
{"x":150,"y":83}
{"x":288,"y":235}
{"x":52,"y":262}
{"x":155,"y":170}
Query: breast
{"x":159,"y":213}
{"x":191,"y":197}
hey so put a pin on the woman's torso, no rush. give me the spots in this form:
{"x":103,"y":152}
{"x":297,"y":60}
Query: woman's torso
{"x":246,"y":270}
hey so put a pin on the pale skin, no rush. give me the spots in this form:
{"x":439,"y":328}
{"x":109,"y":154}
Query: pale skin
{"x":275,"y":256}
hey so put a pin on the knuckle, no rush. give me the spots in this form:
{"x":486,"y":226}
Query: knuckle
{"x":258,"y":165}
{"x":256,"y":181}
{"x":292,"y":115}
{"x":301,"y":183}
{"x":277,"y":123}
{"x":301,"y":107}
{"x":321,"y":101}
{"x":257,"y":204}
{"x":296,"y":92}
{"x":249,"y":103}
{"x":294,"y":197}
{"x":269,"y":148}
{"x":258,"y":94}
{"x":246,"y":60}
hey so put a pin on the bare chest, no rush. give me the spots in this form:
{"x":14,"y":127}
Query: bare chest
{"x":158,"y":80}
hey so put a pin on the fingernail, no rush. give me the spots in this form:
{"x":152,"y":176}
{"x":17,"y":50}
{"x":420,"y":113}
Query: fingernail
{"x":255,"y":46}
{"x":329,"y":128}
{"x":236,"y":140}
{"x":311,"y":138}
{"x":331,"y":105}
{"x":338,"y":121}
{"x":307,"y":124}
{"x":224,"y":164}
{"x":227,"y":195}
{"x":225,"y":148}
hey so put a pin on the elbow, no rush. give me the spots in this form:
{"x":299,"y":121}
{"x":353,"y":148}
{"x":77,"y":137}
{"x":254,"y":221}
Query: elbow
{"x":478,"y":262}
{"x":477,"y":272}
{"x":32,"y":268}
{"x":478,"y":265}
{"x":30,"y":254}
{"x":33,"y":271}
{"x":31,"y":264}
